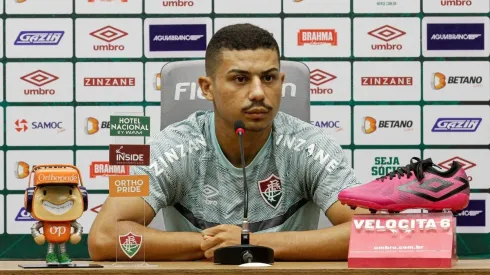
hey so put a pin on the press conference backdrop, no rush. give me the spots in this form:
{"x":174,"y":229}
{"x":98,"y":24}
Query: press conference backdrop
{"x":390,"y":80}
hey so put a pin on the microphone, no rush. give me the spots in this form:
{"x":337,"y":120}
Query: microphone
{"x":245,"y":252}
{"x":240,"y":131}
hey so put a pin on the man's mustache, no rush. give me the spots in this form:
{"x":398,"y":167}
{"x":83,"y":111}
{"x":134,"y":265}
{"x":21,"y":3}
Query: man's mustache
{"x":257,"y":105}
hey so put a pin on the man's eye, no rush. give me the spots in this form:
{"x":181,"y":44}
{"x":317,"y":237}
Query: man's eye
{"x":240,"y":79}
{"x":268,"y":78}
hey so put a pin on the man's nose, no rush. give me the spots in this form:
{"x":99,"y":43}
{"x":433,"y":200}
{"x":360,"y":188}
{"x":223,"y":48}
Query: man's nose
{"x":256,"y":90}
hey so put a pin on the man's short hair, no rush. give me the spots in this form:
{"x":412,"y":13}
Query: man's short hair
{"x":242,"y":36}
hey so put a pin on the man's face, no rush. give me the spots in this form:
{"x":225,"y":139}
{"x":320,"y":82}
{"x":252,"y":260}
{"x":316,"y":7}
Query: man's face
{"x":248,"y":86}
{"x":57,"y":203}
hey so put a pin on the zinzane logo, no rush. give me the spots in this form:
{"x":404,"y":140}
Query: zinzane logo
{"x":195,"y":91}
{"x":402,"y":225}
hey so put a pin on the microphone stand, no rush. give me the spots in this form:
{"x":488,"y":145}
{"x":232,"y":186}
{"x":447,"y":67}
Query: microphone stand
{"x":245,"y":252}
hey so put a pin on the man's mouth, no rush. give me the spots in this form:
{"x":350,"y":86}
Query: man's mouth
{"x":58,"y":209}
{"x":257,"y":111}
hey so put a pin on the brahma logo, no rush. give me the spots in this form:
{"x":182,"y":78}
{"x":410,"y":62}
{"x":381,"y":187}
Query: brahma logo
{"x":317,"y":37}
{"x":386,"y":33}
{"x":109,"y":81}
{"x":92,"y":125}
{"x":370,"y":124}
{"x":108,"y":34}
{"x":39,"y":78}
{"x":319,"y":77}
{"x":466,"y":164}
{"x":39,"y":38}
{"x":104,"y":169}
{"x":439,"y":80}
{"x":387,"y":81}
{"x":178,"y":3}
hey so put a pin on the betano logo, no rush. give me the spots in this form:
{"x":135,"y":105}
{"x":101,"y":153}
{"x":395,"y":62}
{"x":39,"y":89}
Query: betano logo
{"x":39,"y":78}
{"x":439,"y":80}
{"x":22,"y":169}
{"x":92,"y":125}
{"x":386,"y":33}
{"x":317,"y":37}
{"x":108,"y":34}
{"x":157,"y":79}
{"x":370,"y":124}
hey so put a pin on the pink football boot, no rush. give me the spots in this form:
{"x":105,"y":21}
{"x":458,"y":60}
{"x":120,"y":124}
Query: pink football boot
{"x":416,"y":186}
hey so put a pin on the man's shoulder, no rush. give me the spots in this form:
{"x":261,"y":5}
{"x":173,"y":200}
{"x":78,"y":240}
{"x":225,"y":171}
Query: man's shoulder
{"x":298,"y":136}
{"x":285,"y":124}
{"x":189,"y":128}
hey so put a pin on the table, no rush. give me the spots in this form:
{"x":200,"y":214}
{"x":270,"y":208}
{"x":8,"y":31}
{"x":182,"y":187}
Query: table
{"x":283,"y":268}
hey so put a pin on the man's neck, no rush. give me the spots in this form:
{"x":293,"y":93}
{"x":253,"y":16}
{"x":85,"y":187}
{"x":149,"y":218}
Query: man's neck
{"x":229,"y":143}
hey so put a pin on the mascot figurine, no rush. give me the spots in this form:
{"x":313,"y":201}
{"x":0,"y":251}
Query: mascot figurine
{"x":56,"y":200}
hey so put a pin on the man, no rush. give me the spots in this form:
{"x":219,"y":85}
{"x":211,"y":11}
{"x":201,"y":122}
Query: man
{"x":196,"y":175}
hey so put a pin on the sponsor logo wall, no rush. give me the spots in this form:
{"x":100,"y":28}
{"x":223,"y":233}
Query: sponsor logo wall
{"x":412,"y":79}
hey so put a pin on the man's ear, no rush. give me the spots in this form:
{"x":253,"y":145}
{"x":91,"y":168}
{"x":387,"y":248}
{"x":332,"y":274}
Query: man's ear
{"x":206,"y":85}
{"x":282,"y":77}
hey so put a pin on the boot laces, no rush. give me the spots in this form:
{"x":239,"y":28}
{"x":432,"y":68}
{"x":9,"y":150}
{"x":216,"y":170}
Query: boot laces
{"x":416,"y":165}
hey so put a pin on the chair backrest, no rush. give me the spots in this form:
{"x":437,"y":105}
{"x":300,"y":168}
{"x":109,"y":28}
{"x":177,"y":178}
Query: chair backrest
{"x":181,"y":95}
